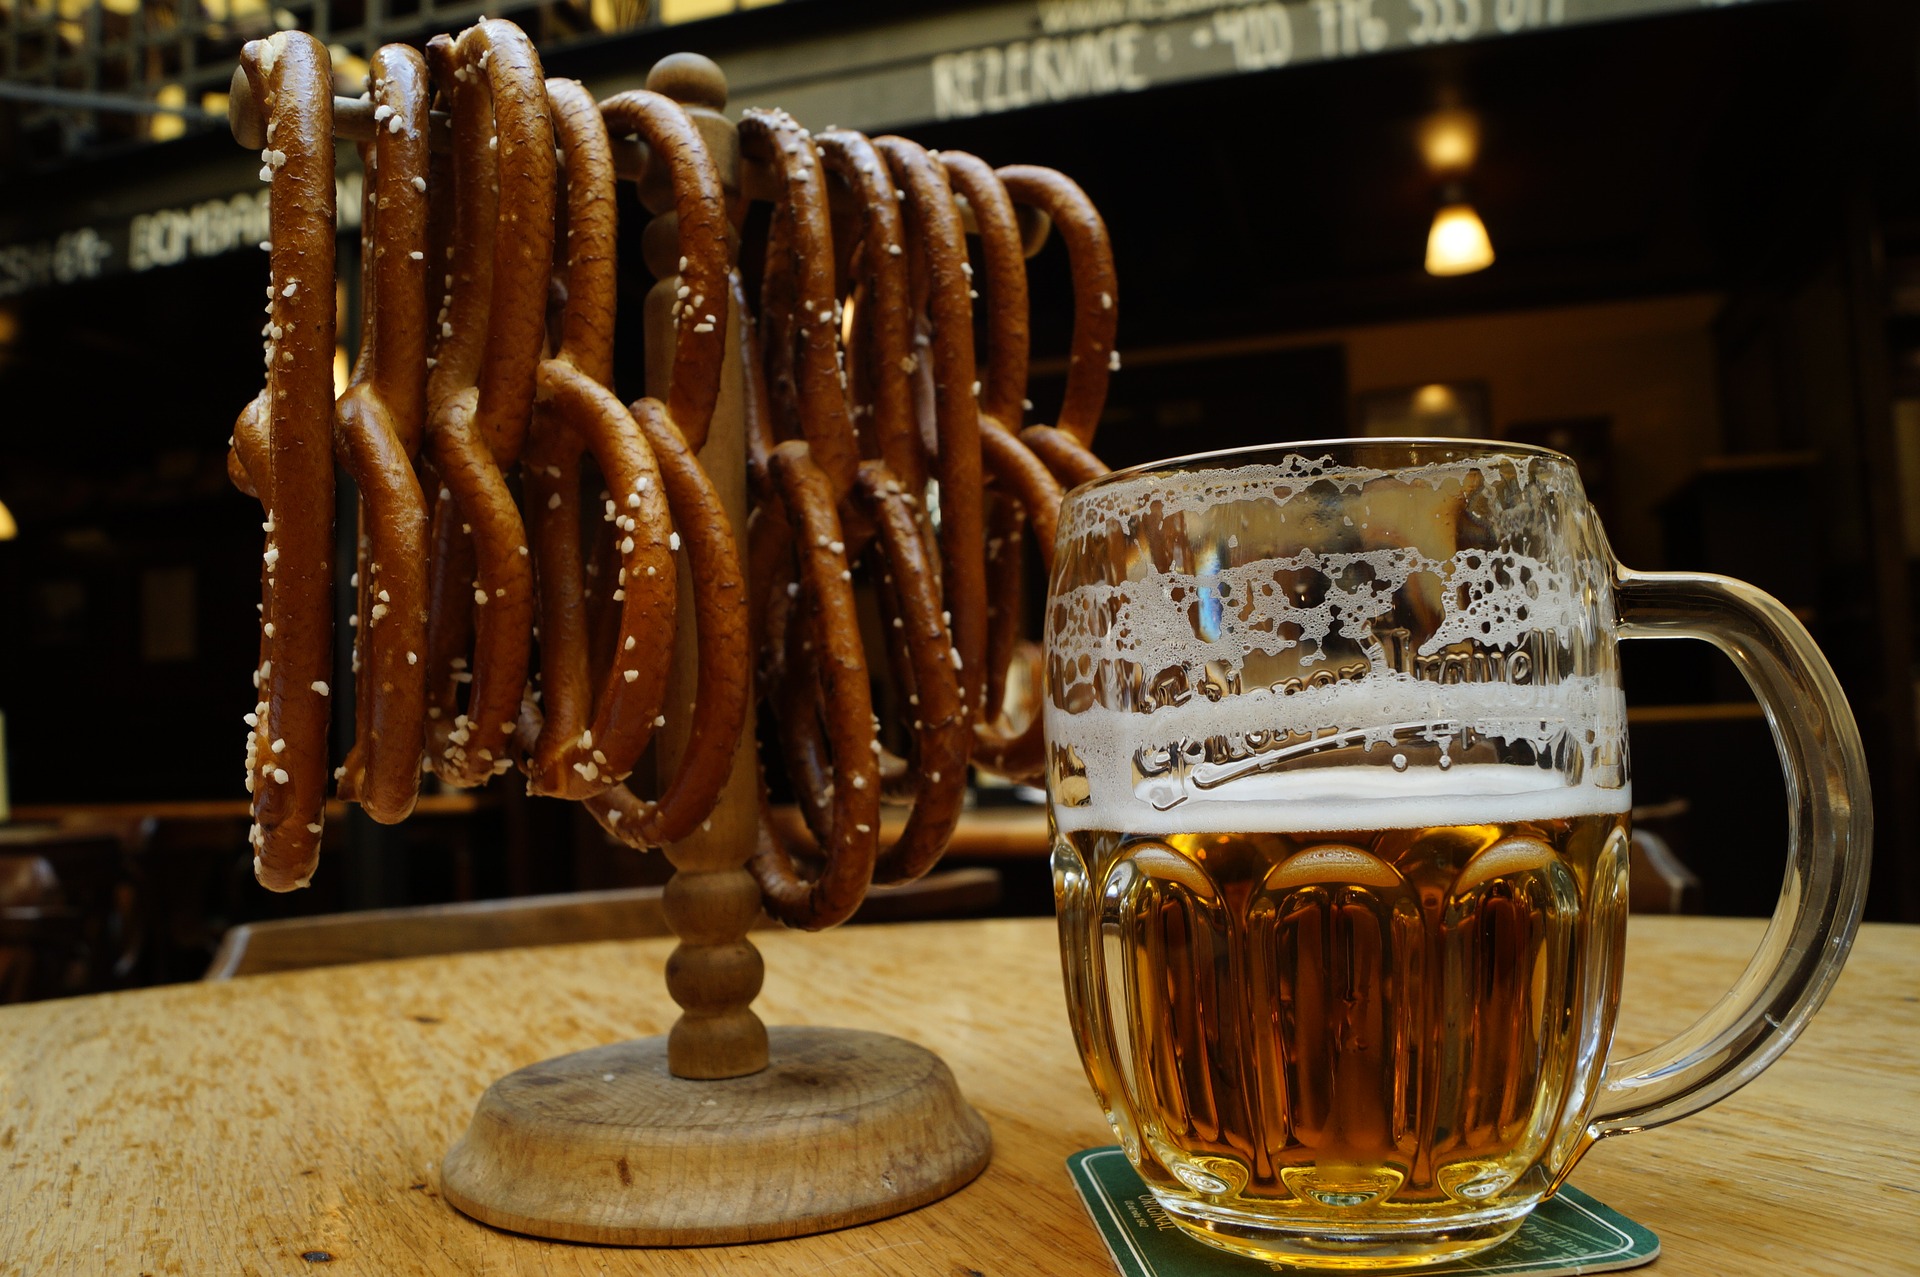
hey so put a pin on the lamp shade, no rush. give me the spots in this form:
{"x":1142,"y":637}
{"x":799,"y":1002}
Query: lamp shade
{"x":1458,"y":243}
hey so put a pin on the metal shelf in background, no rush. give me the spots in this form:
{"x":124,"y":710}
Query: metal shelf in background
{"x":953,"y":62}
{"x":80,"y":75}
{"x":989,"y":59}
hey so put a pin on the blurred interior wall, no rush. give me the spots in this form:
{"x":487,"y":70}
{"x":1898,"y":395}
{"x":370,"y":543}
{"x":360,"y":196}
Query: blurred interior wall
{"x":1647,"y":365}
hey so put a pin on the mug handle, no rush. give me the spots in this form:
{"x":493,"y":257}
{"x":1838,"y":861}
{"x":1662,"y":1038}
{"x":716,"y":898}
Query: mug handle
{"x":1829,"y":835}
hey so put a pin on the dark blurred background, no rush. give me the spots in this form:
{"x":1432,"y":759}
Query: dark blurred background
{"x":1705,"y":285}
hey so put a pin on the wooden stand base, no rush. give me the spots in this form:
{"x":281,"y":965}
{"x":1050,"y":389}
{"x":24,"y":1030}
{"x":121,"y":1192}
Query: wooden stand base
{"x":842,"y":1127}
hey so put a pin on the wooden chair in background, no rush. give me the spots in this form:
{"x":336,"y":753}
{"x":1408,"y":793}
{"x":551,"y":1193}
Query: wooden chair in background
{"x":72,"y":917}
{"x":1660,"y":881}
{"x":631,"y":913}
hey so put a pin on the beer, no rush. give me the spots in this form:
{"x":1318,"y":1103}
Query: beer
{"x":1357,"y":1025}
{"x":1337,"y":769}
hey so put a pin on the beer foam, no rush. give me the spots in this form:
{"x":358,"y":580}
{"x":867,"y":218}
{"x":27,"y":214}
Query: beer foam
{"x":1162,"y":736}
{"x":1225,"y":614}
{"x":1207,"y":608}
{"x":1337,"y":798}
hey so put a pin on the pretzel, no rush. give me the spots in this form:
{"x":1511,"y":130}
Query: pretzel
{"x":1096,"y":290}
{"x":806,"y":397}
{"x":1018,"y":486}
{"x":940,"y":253}
{"x":480,"y":387}
{"x":701,"y":212}
{"x":282,"y":454}
{"x":666,"y":431}
{"x":582,"y":743}
{"x":1030,"y":495}
{"x":1026,"y":477}
{"x":1063,"y":454}
{"x":722,"y":689}
{"x":806,"y":381}
{"x":832,"y":638}
{"x":942,"y":736}
{"x":1003,"y":380}
{"x":378,"y":424}
{"x":881,"y":357}
{"x":882,"y":363}
{"x":806,"y":665}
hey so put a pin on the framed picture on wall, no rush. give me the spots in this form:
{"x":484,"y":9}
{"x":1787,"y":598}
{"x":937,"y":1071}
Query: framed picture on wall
{"x":1588,"y":440}
{"x":1438,"y":409}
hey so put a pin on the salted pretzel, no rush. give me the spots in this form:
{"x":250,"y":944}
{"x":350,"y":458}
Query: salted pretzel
{"x":1065,"y":446}
{"x":937,"y":256}
{"x":816,"y":669}
{"x":923,"y":666}
{"x":1063,"y":454}
{"x":700,"y":209}
{"x":642,"y":455}
{"x":282,"y":454}
{"x":1003,"y":373}
{"x":1021,"y":487}
{"x":880,"y":358}
{"x":800,"y":562}
{"x":480,"y":390}
{"x":800,"y":311}
{"x":675,"y":428}
{"x":378,"y":424}
{"x":1092,"y":359}
{"x":722,"y":688}
{"x":1028,"y":467}
{"x":583,"y":742}
{"x":792,"y":890}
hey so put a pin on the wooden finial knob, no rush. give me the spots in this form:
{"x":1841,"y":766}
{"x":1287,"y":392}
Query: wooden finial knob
{"x":690,"y":79}
{"x":243,"y":113}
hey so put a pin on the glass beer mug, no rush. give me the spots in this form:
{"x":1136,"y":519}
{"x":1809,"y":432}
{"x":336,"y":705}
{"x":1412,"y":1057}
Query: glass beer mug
{"x":1337,"y":769}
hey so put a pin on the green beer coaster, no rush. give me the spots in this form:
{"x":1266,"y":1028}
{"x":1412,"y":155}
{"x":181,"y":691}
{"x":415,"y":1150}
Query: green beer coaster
{"x":1569,"y":1233}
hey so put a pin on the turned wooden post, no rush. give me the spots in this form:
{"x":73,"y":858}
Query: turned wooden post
{"x":711,"y":900}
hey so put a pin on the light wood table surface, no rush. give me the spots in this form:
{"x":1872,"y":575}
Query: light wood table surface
{"x":230,"y":1128}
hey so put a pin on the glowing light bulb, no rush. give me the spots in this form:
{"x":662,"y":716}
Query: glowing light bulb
{"x":8,"y":528}
{"x":1450,"y":141}
{"x":1458,"y":243}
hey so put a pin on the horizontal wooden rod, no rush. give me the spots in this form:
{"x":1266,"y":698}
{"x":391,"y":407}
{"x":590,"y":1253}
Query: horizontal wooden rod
{"x":353,"y":122}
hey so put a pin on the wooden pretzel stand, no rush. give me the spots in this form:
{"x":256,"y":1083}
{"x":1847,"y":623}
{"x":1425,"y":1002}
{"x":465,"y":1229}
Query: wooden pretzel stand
{"x":724,"y":1130}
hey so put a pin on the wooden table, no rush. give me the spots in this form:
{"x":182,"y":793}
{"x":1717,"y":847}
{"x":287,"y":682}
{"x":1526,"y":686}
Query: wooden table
{"x":231,"y":1128}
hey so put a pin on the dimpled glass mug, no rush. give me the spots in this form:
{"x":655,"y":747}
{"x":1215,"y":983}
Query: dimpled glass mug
{"x":1337,"y":770}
